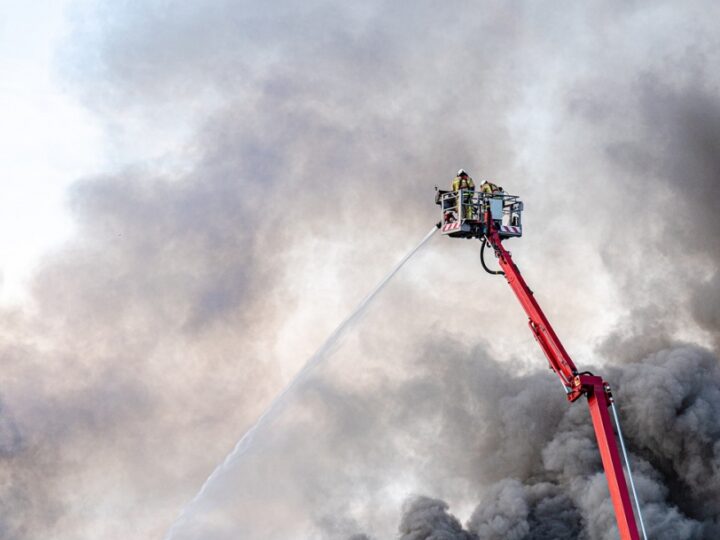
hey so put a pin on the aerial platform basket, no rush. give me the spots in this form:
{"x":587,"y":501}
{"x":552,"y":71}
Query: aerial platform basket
{"x":463,"y":213}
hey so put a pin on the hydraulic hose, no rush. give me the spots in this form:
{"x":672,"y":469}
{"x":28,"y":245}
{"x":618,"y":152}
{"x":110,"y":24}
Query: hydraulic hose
{"x":482,"y":259}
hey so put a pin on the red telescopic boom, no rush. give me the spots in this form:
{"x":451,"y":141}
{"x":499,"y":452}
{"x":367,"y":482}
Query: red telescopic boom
{"x":576,"y":384}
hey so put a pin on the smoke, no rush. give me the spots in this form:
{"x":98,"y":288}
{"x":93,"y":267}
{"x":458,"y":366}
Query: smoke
{"x":511,"y":509}
{"x":269,"y":164}
{"x":669,"y":403}
{"x":669,"y":171}
{"x":527,"y":460}
{"x":428,"y":518}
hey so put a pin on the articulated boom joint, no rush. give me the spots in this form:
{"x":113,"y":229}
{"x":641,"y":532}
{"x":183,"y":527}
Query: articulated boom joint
{"x":587,"y":384}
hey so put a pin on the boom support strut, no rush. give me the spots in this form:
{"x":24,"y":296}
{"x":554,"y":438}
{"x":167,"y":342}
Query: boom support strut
{"x":576,"y":384}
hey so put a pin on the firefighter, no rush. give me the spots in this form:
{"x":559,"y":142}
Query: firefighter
{"x":464,"y":182}
{"x":490,"y":188}
{"x":496,"y":203}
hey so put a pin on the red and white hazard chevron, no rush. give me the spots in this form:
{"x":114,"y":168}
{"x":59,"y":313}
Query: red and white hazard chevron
{"x":510,"y":229}
{"x":451,"y":226}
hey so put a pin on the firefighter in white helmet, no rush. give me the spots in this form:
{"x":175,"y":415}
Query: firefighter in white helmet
{"x":464,"y":182}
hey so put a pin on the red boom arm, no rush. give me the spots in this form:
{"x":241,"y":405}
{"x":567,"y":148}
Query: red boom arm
{"x":576,"y":385}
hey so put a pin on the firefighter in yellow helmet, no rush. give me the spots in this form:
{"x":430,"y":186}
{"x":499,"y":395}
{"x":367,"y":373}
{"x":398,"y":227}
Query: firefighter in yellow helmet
{"x":464,"y":182}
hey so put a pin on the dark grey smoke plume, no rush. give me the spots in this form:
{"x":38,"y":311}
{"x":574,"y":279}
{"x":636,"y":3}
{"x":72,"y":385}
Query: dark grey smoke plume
{"x":426,"y":518}
{"x":670,"y":404}
{"x":273,"y":161}
{"x":511,"y":509}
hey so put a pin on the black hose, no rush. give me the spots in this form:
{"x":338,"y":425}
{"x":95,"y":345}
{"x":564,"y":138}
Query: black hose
{"x":482,"y":260}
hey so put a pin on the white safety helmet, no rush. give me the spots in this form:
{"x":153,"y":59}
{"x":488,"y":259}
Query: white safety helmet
{"x":461,"y":172}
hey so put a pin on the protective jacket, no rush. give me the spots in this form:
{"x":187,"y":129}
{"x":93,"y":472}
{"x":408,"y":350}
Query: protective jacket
{"x":489,"y":187}
{"x":463,"y":182}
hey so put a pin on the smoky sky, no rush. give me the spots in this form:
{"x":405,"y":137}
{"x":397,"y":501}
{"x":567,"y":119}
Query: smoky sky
{"x":274,"y":161}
